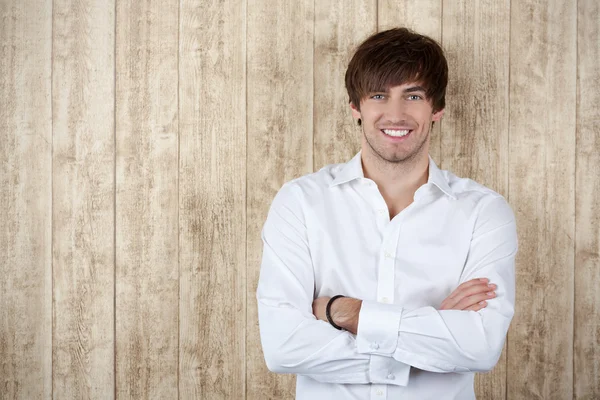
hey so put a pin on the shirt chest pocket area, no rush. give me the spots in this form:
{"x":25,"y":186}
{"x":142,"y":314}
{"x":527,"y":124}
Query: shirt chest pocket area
{"x":432,"y":261}
{"x":427,"y":275}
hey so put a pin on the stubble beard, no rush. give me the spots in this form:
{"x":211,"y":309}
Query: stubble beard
{"x":406,"y":158}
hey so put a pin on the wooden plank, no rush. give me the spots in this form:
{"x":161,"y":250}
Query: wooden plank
{"x":83,"y":199}
{"x":280,"y":124}
{"x":338,"y":31}
{"x":475,"y":125}
{"x":25,"y":200}
{"x":424,"y":17}
{"x":543,"y":64}
{"x":212,"y":199}
{"x":587,"y":234}
{"x":147,"y":269}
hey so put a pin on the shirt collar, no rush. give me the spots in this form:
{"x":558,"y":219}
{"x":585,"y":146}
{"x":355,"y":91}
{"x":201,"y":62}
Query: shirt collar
{"x":437,"y":177}
{"x":350,"y":171}
{"x":353,"y":170}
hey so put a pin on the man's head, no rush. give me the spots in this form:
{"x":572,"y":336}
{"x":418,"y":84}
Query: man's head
{"x":397,"y":81}
{"x":396,"y":56}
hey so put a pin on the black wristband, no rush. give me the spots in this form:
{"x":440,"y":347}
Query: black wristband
{"x":328,"y":311}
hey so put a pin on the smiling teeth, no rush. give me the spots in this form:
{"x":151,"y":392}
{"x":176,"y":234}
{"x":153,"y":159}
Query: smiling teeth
{"x":396,"y":133}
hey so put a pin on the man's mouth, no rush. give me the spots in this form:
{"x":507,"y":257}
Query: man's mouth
{"x":396,"y":132}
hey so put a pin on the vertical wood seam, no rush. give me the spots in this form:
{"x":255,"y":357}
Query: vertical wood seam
{"x":246,"y":196}
{"x":314,"y":39}
{"x":178,"y":204}
{"x":574,"y":356}
{"x":376,"y":15}
{"x":52,"y":203}
{"x":245,"y":297}
{"x":115,"y":203}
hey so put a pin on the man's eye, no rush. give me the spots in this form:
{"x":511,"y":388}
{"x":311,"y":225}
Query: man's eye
{"x":414,"y":97}
{"x":377,"y":97}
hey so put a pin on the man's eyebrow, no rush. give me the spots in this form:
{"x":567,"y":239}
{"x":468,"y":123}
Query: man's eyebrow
{"x":415,"y":89}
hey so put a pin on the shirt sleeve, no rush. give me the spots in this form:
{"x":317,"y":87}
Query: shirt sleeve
{"x":293,"y":340}
{"x":453,"y":340}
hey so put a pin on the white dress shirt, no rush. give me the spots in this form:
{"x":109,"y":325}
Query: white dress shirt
{"x":329,"y":233}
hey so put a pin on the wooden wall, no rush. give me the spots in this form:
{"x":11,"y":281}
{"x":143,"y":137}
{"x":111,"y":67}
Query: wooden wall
{"x":141,"y":143}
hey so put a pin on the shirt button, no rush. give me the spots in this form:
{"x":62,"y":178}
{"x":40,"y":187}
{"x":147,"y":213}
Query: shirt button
{"x":391,"y":377}
{"x":374,"y":346}
{"x":379,"y":392}
{"x":388,"y":255}
{"x":385,"y":300}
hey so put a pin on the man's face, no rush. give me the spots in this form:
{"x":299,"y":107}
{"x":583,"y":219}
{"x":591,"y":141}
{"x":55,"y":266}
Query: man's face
{"x":396,"y":123}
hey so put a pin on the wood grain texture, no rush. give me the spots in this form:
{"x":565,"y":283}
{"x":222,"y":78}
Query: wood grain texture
{"x":424,"y":17}
{"x":147,"y":268}
{"x":280,"y":125}
{"x":25,"y":200}
{"x":587,"y":246}
{"x":338,"y":31}
{"x":212,"y":199}
{"x":475,"y":135}
{"x":64,"y":184}
{"x":541,"y":189}
{"x":83,"y":199}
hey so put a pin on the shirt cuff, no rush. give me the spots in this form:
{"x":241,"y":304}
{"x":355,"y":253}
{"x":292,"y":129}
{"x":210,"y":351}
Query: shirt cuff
{"x":378,"y":328}
{"x":386,"y":370}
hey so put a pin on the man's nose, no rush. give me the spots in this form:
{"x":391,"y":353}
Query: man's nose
{"x":395,"y":111}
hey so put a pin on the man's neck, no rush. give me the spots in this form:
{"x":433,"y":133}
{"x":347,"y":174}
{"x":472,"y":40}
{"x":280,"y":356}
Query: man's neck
{"x":397,"y":182}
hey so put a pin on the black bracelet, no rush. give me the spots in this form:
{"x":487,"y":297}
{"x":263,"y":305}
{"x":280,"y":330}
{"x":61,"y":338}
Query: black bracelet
{"x":328,"y":311}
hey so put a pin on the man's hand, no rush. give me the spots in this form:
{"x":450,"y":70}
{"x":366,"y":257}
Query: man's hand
{"x":471,"y":295}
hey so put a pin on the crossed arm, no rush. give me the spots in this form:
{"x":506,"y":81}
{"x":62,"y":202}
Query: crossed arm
{"x":389,"y":339}
{"x":469,"y":296}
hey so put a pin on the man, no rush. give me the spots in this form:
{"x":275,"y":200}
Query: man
{"x":424,"y":259}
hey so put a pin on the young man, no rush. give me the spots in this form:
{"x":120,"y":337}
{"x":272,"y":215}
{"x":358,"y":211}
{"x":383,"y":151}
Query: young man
{"x":423,"y":258}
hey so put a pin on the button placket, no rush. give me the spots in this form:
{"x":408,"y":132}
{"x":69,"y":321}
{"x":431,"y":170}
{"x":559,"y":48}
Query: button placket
{"x":387,"y":264}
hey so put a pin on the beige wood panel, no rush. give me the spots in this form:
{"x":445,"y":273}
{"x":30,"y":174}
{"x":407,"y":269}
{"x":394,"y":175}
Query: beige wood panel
{"x":25,"y":200}
{"x":541,"y":189}
{"x":280,"y":123}
{"x":475,"y":135}
{"x":424,"y":17}
{"x":83,"y":199}
{"x":338,"y":31}
{"x":587,"y":246}
{"x":147,"y":268}
{"x":212,"y":199}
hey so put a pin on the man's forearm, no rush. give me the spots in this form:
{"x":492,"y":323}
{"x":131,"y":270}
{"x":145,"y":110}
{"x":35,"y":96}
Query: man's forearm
{"x":344,"y":313}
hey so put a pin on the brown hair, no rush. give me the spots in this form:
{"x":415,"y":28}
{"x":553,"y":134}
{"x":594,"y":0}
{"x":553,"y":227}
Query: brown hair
{"x":394,"y":57}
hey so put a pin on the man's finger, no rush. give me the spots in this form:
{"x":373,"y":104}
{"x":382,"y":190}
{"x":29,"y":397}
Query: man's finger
{"x":467,"y":284}
{"x":472,"y":300}
{"x":479,"y":306}
{"x":458,"y":295}
{"x":470,"y":291}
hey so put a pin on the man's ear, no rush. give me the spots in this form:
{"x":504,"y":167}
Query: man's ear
{"x":437,"y":115}
{"x":355,"y":111}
